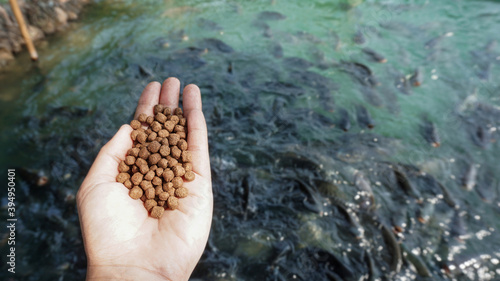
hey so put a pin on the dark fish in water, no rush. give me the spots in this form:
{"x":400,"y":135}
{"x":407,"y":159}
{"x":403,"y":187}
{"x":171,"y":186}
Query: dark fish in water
{"x":425,"y":212}
{"x":469,"y":179}
{"x":372,"y":269}
{"x":213,"y":44}
{"x":365,"y":190}
{"x":364,"y":117}
{"x":457,"y":226}
{"x":430,"y":133}
{"x":448,"y":199}
{"x":359,"y":38}
{"x":270,"y":15}
{"x":344,"y":120}
{"x":416,"y":261}
{"x":405,"y":184}
{"x":432,"y":43}
{"x":374,"y":55}
{"x":208,"y":24}
{"x":482,"y":137}
{"x":33,"y":177}
{"x":332,"y":264}
{"x":361,"y":72}
{"x":248,"y":197}
{"x":486,"y":185}
{"x":371,"y":96}
{"x":277,"y":50}
{"x":417,"y":77}
{"x":297,"y":63}
{"x":393,"y":247}
{"x":403,"y":85}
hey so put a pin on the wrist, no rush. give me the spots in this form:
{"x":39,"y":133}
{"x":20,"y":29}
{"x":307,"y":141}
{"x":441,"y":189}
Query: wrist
{"x":122,"y":272}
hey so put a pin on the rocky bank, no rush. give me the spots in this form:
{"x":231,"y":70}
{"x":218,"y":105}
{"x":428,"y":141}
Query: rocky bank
{"x":43,"y":17}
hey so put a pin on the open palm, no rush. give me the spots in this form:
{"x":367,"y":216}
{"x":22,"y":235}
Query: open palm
{"x":121,"y":240}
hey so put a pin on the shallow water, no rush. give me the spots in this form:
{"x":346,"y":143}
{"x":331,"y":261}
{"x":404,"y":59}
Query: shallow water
{"x":292,"y":190}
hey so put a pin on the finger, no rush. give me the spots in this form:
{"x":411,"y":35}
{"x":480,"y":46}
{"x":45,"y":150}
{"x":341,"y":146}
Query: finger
{"x":191,"y":99}
{"x":105,"y":167}
{"x":149,"y":98}
{"x":170,"y":92}
{"x":198,"y":142}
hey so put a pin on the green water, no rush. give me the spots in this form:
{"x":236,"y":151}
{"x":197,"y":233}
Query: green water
{"x":94,"y":65}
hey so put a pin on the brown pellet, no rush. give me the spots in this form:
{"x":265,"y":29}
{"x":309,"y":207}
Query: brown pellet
{"x":134,"y":169}
{"x":167,"y":111}
{"x":142,"y":137}
{"x":128,"y":184}
{"x":163,"y":133}
{"x":175,"y":152}
{"x":168,"y":186}
{"x":161,"y":203}
{"x":153,"y":168}
{"x":160,"y":117}
{"x":172,"y":202}
{"x":156,"y":180}
{"x":134,"y":134}
{"x":174,"y":118}
{"x":178,"y":111}
{"x":143,"y":198}
{"x":137,"y":178}
{"x":178,"y":171}
{"x":158,"y":190}
{"x":159,"y":170}
{"x":169,"y":126}
{"x":148,"y":131}
{"x":172,"y":162}
{"x":149,"y":175}
{"x":168,"y":175}
{"x":139,"y":162}
{"x":122,"y":167}
{"x":150,"y":193}
{"x":173,"y":139}
{"x":182,"y":135}
{"x":145,"y":185}
{"x":143,"y":169}
{"x":133,"y":152}
{"x":187,"y":166}
{"x":149,"y":204}
{"x":177,"y":182}
{"x":152,"y":136}
{"x":154,"y":158}
{"x":164,"y":141}
{"x":182,"y":144}
{"x":135,"y":124}
{"x":158,"y":108}
{"x":135,"y":192}
{"x":186,"y":156}
{"x":189,"y":176}
{"x":157,"y":211}
{"x":122,"y":177}
{"x":142,"y":117}
{"x":163,"y":163}
{"x":154,"y":146}
{"x":178,"y":128}
{"x":181,"y":192}
{"x":163,"y":196}
{"x":155,"y":126}
{"x":182,"y":121}
{"x":130,"y":160}
{"x":144,"y":153}
{"x":150,"y":120}
{"x":164,"y":150}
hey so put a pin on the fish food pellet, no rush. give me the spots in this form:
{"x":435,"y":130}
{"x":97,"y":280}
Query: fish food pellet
{"x":156,"y":166}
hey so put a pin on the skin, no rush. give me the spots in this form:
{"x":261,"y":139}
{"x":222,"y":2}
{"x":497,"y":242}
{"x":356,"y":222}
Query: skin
{"x":122,"y":241}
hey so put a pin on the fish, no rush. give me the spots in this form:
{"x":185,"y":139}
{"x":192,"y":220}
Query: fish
{"x":457,"y":226}
{"x":363,"y":184}
{"x":430,"y":133}
{"x":425,"y":212}
{"x":270,"y":15}
{"x":364,"y":117}
{"x":359,"y":37}
{"x":333,"y":265}
{"x":482,"y":137}
{"x":344,"y":122}
{"x":405,"y":184}
{"x":374,"y":55}
{"x":277,"y":50}
{"x":417,"y":77}
{"x":403,"y":85}
{"x":434,"y":42}
{"x":395,"y":250}
{"x":209,"y":24}
{"x":416,"y":261}
{"x":213,"y":44}
{"x":361,"y":72}
{"x":447,"y":197}
{"x":469,"y":178}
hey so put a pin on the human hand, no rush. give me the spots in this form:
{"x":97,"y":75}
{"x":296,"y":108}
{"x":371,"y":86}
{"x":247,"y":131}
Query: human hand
{"x":121,"y":240}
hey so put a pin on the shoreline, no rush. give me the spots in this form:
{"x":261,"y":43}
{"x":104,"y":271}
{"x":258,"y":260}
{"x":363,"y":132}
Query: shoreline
{"x":43,"y":18}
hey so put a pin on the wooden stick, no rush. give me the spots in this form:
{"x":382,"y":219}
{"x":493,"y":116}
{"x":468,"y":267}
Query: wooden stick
{"x":24,"y":29}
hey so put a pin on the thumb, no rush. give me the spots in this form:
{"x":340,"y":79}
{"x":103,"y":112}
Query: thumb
{"x":105,"y":167}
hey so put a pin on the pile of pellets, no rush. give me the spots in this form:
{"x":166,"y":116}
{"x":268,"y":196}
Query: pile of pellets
{"x":159,"y":162}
